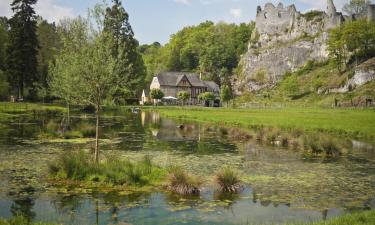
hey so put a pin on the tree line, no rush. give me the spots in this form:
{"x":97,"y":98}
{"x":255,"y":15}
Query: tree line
{"x":30,"y":47}
{"x":213,"y":50}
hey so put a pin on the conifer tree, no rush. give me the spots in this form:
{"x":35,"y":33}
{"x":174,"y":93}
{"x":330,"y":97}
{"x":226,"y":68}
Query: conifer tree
{"x":129,"y":63}
{"x":22,"y":50}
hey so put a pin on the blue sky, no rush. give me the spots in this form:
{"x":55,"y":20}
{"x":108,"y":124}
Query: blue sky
{"x":156,"y":20}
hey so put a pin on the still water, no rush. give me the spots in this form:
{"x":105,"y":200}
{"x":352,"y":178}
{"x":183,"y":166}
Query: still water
{"x":281,"y":185}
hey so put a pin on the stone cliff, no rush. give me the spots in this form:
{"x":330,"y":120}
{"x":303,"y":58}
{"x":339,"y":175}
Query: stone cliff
{"x":284,"y":40}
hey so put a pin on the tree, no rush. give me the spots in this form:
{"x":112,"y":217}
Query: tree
{"x":124,"y":48}
{"x":337,"y":48}
{"x":62,"y":80}
{"x":359,"y":38}
{"x":226,"y":94}
{"x":290,"y":85}
{"x":356,"y":7}
{"x":206,"y":97}
{"x":49,"y":42}
{"x":156,"y":94}
{"x":22,"y":49}
{"x":87,"y":73}
{"x":183,"y":96}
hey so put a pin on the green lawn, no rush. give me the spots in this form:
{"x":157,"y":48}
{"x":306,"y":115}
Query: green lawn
{"x":352,"y":122}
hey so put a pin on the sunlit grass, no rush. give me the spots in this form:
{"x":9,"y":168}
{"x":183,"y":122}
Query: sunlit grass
{"x":351,"y":122}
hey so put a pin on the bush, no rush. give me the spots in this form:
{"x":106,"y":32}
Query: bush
{"x":181,"y":182}
{"x":228,"y":181}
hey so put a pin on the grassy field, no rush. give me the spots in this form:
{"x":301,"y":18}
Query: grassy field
{"x":351,"y":122}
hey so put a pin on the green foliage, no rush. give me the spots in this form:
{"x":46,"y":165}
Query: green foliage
{"x":228,"y":181}
{"x":21,"y":51}
{"x":290,"y":85}
{"x":183,"y":96}
{"x":225,"y":94}
{"x":311,"y":15}
{"x":156,"y":94}
{"x":356,"y":7}
{"x":4,"y":86}
{"x":79,"y":166}
{"x":21,"y":220}
{"x":337,"y":47}
{"x":181,"y":182}
{"x":129,"y":67}
{"x":356,"y":38}
{"x":49,"y":45}
{"x":206,"y":96}
{"x":207,"y":47}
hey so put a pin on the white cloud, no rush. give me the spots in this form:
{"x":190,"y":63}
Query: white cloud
{"x":48,"y":9}
{"x":236,"y":13}
{"x":185,"y":2}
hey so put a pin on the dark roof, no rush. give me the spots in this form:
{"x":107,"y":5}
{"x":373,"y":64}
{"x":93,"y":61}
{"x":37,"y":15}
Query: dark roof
{"x":174,"y":78}
{"x":211,"y":86}
{"x":147,"y":91}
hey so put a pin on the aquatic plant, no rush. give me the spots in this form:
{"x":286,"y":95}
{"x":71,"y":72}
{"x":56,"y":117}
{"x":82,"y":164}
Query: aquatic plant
{"x":21,"y":220}
{"x":181,"y":182}
{"x":319,"y":144}
{"x":79,"y":166}
{"x":228,"y":181}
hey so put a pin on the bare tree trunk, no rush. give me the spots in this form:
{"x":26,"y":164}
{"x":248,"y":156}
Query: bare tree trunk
{"x":97,"y":135}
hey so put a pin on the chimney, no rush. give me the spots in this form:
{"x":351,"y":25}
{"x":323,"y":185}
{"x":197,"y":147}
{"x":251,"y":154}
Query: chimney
{"x":200,"y":75}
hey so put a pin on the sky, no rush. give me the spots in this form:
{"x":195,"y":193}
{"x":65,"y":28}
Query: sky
{"x":156,"y":20}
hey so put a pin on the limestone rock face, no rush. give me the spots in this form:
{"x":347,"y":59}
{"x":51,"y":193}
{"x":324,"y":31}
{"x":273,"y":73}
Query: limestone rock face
{"x":364,"y":73}
{"x":284,"y":40}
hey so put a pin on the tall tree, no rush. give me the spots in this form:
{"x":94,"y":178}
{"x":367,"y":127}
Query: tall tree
{"x":22,"y":50}
{"x":49,"y":42}
{"x":129,"y":62}
{"x":86,"y":77}
{"x":356,"y":7}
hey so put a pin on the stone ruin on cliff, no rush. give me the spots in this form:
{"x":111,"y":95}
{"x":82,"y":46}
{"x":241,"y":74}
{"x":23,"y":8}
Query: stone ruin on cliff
{"x":286,"y":39}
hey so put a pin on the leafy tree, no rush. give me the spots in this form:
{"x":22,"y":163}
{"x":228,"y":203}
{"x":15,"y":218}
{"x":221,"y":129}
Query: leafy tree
{"x":226,"y":94}
{"x":337,"y":48}
{"x":359,"y":37}
{"x":62,"y":79}
{"x":87,"y":73}
{"x":23,"y":47}
{"x":3,"y":41}
{"x":49,"y":43}
{"x":156,"y":94}
{"x":206,"y":97}
{"x":4,"y":86}
{"x":154,"y":58}
{"x":356,"y":7}
{"x":129,"y":63}
{"x":183,"y":96}
{"x":213,"y":49}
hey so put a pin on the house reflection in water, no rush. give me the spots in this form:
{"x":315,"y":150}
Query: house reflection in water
{"x":168,"y":130}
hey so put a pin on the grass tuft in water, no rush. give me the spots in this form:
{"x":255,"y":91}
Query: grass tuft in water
{"x":228,"y":181}
{"x":180,"y":182}
{"x":79,"y":166}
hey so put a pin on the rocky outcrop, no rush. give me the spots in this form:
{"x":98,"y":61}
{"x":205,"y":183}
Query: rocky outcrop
{"x":284,"y":40}
{"x":363,"y":74}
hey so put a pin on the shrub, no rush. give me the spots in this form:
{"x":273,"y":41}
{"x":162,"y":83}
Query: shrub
{"x":181,"y":182}
{"x":228,"y":181}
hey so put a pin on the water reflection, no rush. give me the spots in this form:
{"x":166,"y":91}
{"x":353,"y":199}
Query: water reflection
{"x":284,"y":185}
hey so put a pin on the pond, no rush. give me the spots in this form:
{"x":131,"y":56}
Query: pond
{"x":282,"y":185}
